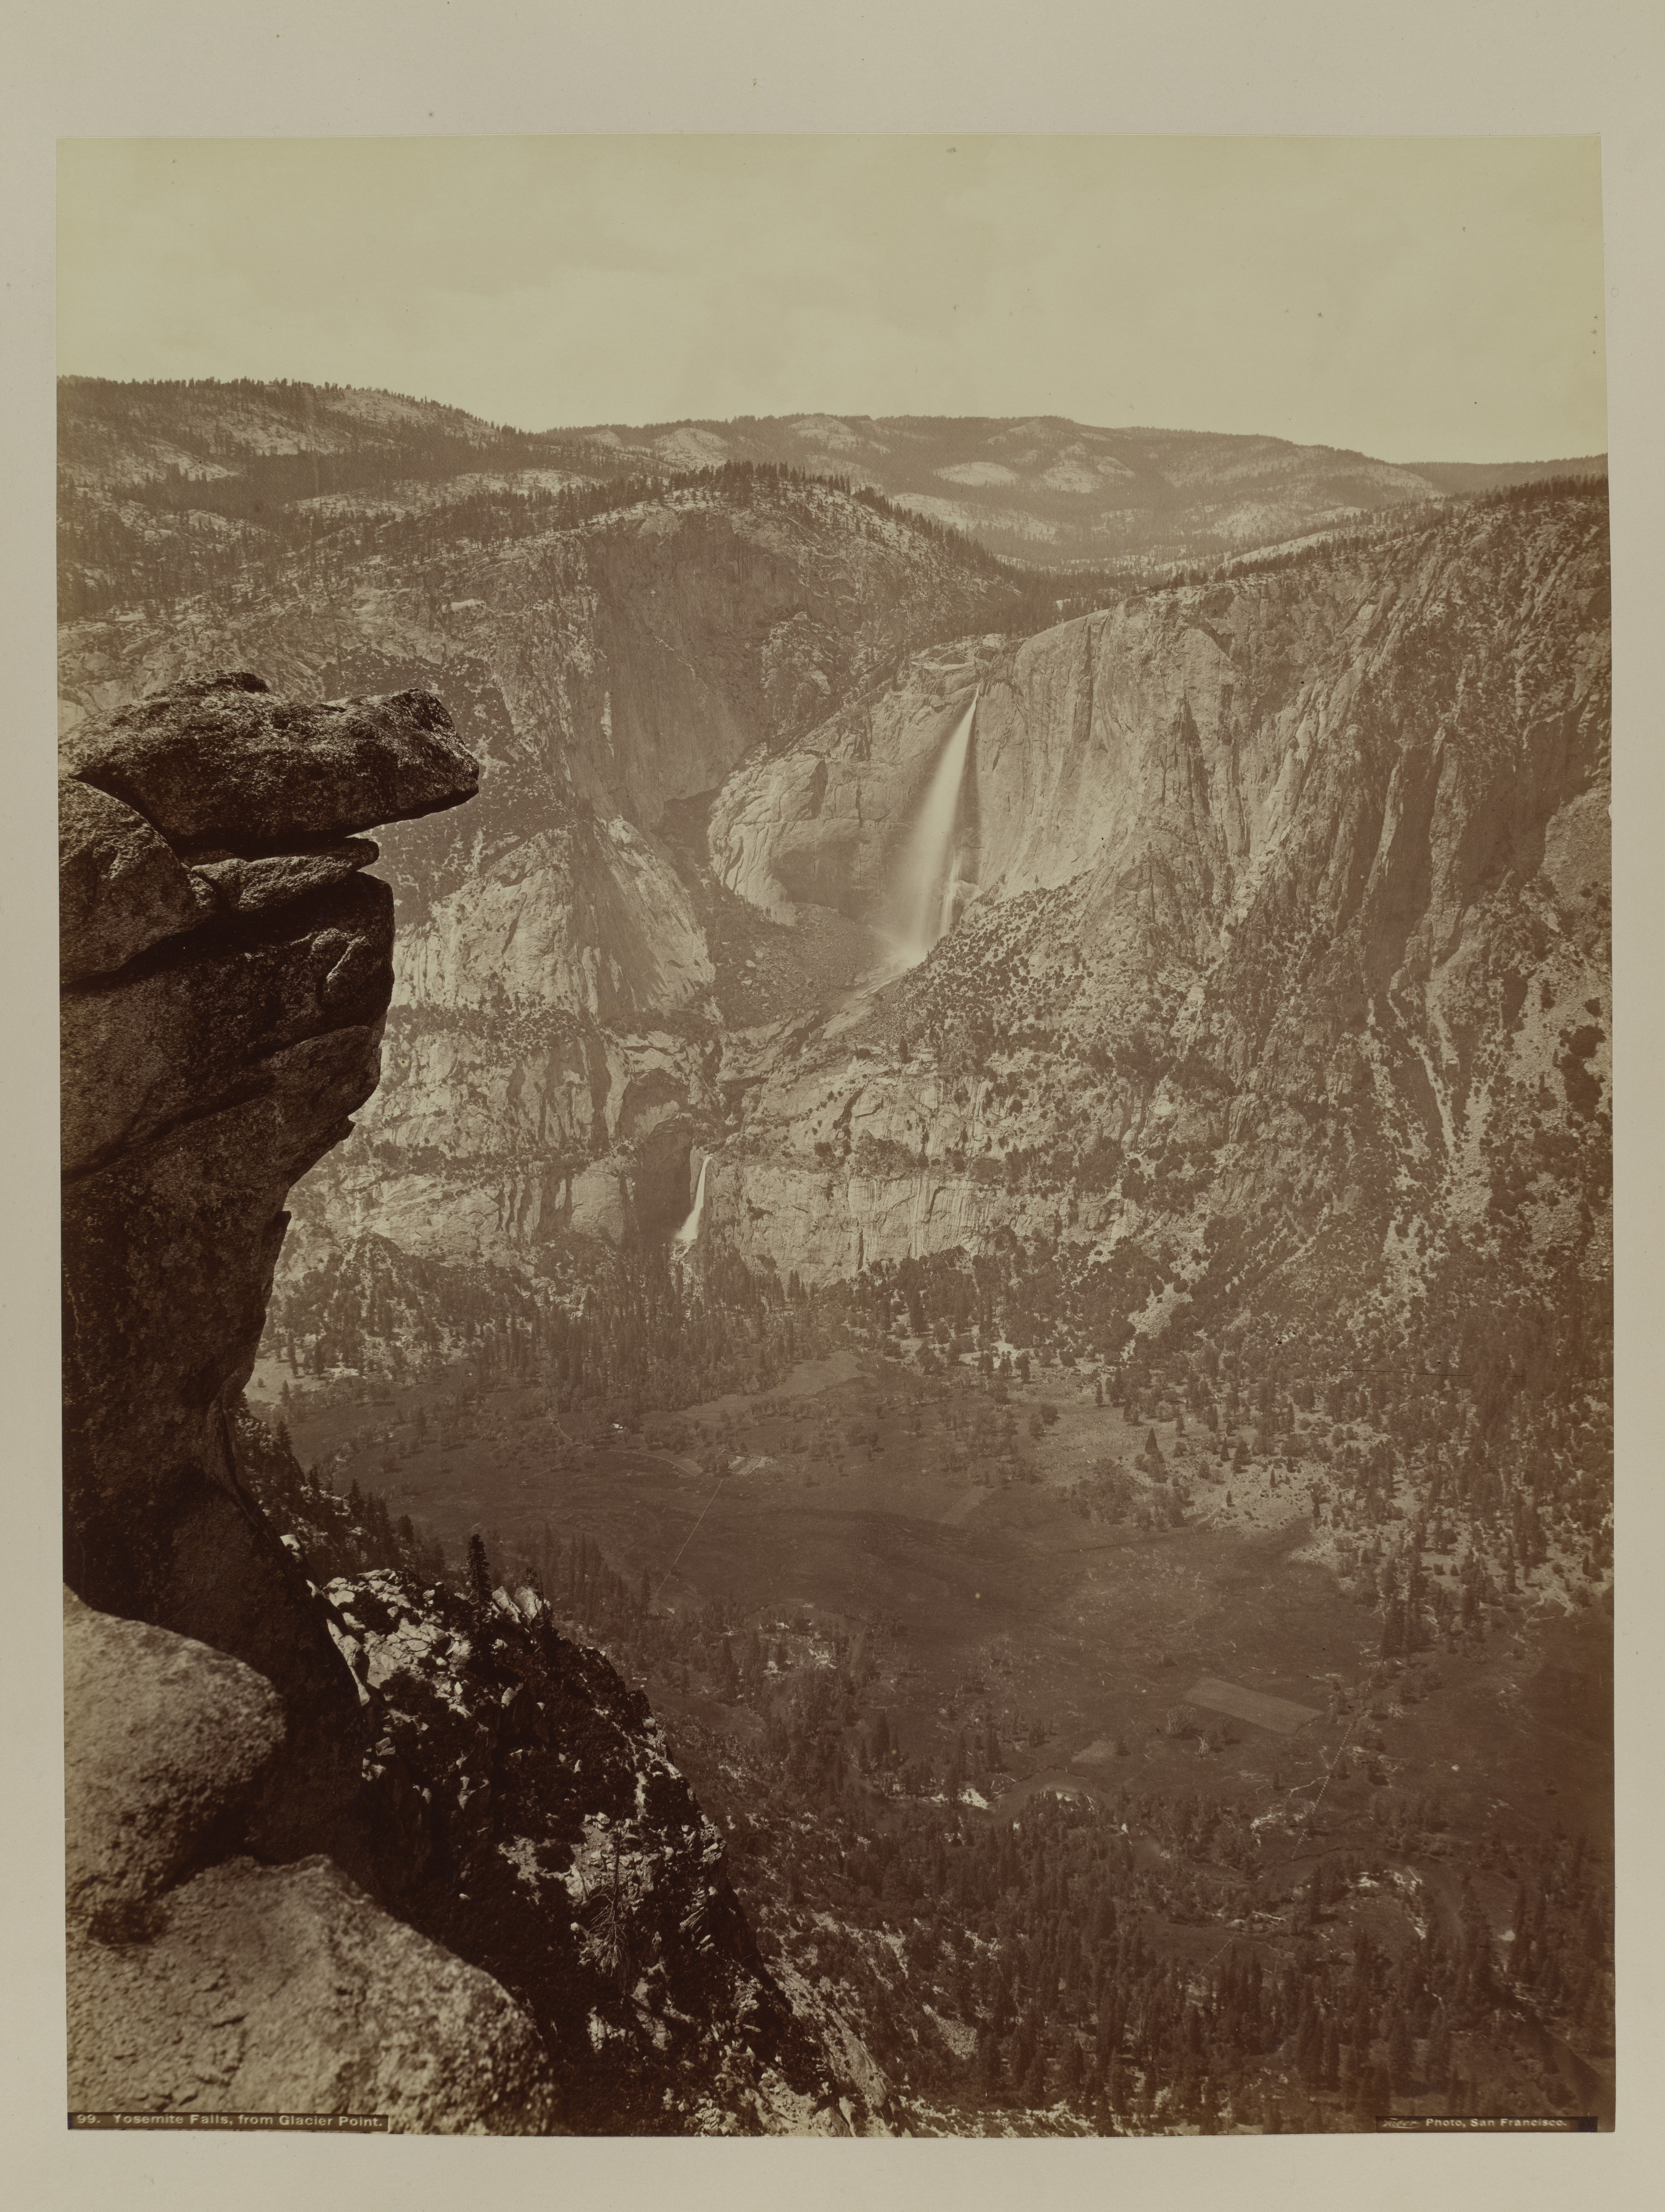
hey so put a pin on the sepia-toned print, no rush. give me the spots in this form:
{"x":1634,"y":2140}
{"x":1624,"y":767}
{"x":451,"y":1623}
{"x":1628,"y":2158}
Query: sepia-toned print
{"x":837,"y":1220}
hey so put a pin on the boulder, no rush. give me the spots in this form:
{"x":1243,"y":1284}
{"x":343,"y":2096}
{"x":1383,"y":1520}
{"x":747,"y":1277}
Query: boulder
{"x":201,"y":1025}
{"x":224,"y":762}
{"x":164,"y":1738}
{"x":238,"y":886}
{"x":284,"y":1990}
{"x":121,"y":888}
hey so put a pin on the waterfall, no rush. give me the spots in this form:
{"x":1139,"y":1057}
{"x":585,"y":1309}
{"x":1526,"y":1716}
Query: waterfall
{"x":929,"y":875}
{"x":686,"y":1234}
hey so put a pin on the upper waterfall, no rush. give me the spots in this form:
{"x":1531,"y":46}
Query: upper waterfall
{"x":930,"y":880}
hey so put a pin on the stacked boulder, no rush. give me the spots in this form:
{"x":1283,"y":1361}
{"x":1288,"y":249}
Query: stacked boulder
{"x":226,"y":968}
{"x":375,"y":1849}
{"x":226,"y":971}
{"x":200,"y":1981}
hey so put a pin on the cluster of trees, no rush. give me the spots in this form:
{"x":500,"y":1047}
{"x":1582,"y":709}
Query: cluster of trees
{"x":1421,"y":514}
{"x":1546,"y":490}
{"x":1109,"y":1494}
{"x":237,"y":523}
{"x":339,"y":1532}
{"x":234,"y":523}
{"x":1054,"y":1940}
{"x":1484,"y":1428}
{"x":633,"y":1335}
{"x":1057,"y":1942}
{"x":1453,"y":1464}
{"x":1052,"y":1937}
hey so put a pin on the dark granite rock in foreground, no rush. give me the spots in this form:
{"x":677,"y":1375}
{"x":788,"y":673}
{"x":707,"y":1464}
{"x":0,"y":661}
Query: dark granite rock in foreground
{"x":210,"y":1055}
{"x":283,"y":1803}
{"x":165,"y":1742}
{"x":550,"y":1837}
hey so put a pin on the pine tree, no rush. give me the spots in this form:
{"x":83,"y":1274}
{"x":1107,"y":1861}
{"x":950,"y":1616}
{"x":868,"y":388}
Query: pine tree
{"x":991,"y":2075}
{"x":954,"y":1785}
{"x":1400,"y":2061}
{"x":1070,"y":2080}
{"x":479,"y":1573}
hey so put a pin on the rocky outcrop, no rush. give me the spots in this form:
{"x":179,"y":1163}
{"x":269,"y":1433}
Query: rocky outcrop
{"x":220,"y":760}
{"x":377,"y":1849}
{"x":546,"y":1833}
{"x":214,"y":1046}
{"x":221,"y":1019}
{"x":165,"y":1743}
{"x":202,"y":1981}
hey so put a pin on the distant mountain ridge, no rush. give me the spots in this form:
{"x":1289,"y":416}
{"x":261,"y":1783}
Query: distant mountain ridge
{"x":1040,"y":489}
{"x":1047,"y":489}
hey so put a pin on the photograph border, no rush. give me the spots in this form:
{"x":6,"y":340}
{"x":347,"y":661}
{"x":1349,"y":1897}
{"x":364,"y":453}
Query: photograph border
{"x":95,"y":70}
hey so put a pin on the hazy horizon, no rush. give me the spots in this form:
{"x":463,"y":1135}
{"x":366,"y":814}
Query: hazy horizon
{"x":1432,"y":299}
{"x":856,"y":414}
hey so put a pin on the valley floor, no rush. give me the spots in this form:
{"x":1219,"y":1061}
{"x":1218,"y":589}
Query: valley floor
{"x":1000,"y":1652}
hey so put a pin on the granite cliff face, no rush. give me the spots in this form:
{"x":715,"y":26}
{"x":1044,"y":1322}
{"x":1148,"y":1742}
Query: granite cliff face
{"x":1287,"y":961}
{"x":556,"y":992}
{"x":376,"y":1848}
{"x":1289,"y":929}
{"x":1293,"y":903}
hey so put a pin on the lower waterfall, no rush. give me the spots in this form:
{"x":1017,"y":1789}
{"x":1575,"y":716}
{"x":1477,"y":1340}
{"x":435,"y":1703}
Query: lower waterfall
{"x":688,"y":1235}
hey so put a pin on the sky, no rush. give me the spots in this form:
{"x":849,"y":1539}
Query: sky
{"x":1432,"y":299}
